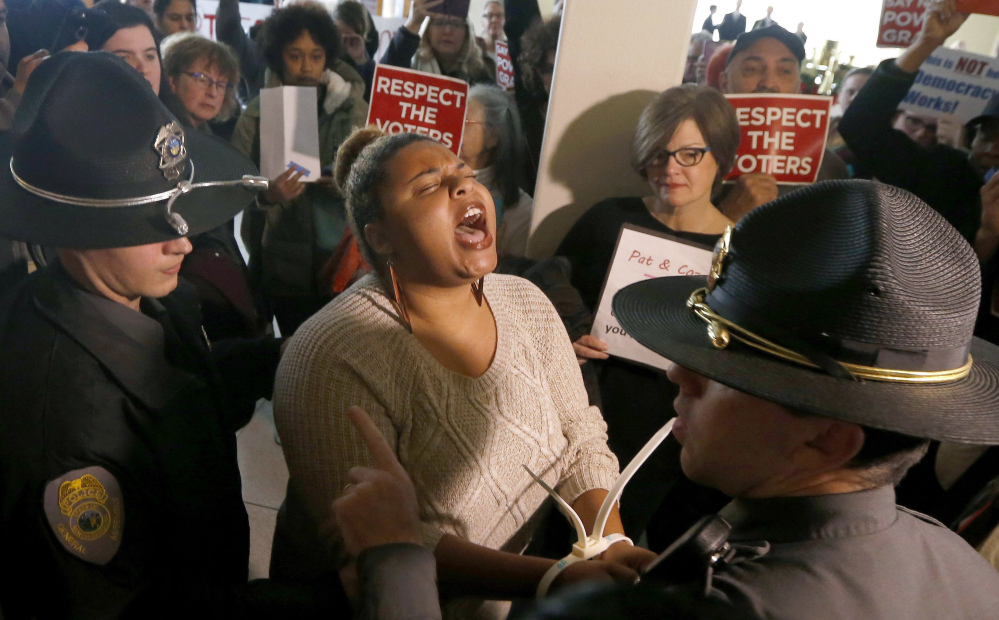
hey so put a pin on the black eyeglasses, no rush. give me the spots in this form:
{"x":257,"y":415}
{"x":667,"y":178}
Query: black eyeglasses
{"x":453,"y":22}
{"x":206,"y":82}
{"x":686,"y":157}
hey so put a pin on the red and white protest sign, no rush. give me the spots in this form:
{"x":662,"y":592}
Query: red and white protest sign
{"x":900,"y":21}
{"x":403,"y":100}
{"x":782,"y":135}
{"x":984,"y":7}
{"x":504,"y":66}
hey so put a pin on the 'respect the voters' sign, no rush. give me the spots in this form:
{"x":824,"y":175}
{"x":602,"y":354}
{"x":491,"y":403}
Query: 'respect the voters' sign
{"x":504,"y":66}
{"x":953,"y":83}
{"x":782,"y":135}
{"x":641,"y":254}
{"x":407,"y":101}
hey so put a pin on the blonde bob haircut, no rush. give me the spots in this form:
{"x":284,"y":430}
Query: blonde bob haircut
{"x":707,"y":107}
{"x":182,"y":50}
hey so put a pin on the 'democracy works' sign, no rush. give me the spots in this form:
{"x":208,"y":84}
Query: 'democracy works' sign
{"x":782,"y":135}
{"x":953,"y":83}
{"x":403,"y":100}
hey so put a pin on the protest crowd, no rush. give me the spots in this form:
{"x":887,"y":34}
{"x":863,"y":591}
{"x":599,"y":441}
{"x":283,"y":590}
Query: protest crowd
{"x":767,"y":388}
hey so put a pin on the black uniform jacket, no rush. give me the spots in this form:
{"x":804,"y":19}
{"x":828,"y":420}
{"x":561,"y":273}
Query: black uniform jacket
{"x":86,"y":382}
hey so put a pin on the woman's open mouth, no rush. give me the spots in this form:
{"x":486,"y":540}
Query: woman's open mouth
{"x":473,"y":229}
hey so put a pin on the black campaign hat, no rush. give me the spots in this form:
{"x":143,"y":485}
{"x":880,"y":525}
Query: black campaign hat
{"x":95,"y":160}
{"x":789,"y":39}
{"x":847,"y":299}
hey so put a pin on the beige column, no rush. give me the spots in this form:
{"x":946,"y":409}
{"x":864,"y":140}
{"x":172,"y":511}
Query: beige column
{"x":613,"y":57}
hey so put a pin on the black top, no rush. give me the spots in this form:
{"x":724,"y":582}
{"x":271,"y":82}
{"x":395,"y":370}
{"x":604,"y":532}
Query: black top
{"x":942,"y":176}
{"x":636,"y":401}
{"x":88,"y":382}
{"x":589,"y":246}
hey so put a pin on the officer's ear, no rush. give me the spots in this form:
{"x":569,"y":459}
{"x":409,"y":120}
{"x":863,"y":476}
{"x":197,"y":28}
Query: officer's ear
{"x":833,"y":444}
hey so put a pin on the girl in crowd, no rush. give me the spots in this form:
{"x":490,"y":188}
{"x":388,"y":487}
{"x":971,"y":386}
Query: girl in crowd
{"x":295,"y":226}
{"x":135,"y":41}
{"x":352,"y":21}
{"x":203,"y":75}
{"x":447,"y":46}
{"x":469,"y":375}
{"x":684,"y":145}
{"x":493,"y":147}
{"x":174,"y":16}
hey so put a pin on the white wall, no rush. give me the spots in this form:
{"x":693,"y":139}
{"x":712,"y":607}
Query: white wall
{"x":610,"y":64}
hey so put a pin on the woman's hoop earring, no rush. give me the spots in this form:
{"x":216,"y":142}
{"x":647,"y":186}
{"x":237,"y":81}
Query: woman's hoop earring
{"x":477,"y":289}
{"x":395,"y":294}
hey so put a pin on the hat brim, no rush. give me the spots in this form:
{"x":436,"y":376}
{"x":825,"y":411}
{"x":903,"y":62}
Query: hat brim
{"x":654,"y":312}
{"x":27,"y":217}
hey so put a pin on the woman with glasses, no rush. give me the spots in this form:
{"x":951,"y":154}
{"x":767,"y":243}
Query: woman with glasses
{"x":202,"y":73}
{"x":447,"y":46}
{"x":684,"y":145}
{"x":173,"y":16}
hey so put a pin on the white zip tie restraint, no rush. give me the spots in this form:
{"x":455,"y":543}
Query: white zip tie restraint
{"x":589,"y":547}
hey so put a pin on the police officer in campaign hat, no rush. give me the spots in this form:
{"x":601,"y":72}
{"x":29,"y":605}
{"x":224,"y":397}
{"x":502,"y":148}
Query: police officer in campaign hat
{"x":831,"y":340}
{"x":119,"y":488}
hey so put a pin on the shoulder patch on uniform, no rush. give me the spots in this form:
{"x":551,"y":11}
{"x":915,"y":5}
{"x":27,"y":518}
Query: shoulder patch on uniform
{"x":85,"y":510}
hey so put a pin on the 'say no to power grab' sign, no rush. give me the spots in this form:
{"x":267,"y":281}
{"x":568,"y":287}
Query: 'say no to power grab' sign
{"x":403,"y":100}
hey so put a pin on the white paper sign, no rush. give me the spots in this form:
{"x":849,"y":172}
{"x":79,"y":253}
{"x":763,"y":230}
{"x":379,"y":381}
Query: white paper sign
{"x":289,"y":131}
{"x":641,"y":254}
{"x":953,"y":83}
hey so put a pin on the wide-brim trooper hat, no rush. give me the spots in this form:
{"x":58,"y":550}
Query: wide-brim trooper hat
{"x":851,"y":300}
{"x":95,"y":160}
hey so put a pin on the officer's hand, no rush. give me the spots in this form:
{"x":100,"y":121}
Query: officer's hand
{"x":286,"y":187}
{"x":624,"y":554}
{"x":589,"y":348}
{"x":27,"y":65}
{"x":379,"y":506}
{"x":748,"y":192}
{"x":593,"y":570}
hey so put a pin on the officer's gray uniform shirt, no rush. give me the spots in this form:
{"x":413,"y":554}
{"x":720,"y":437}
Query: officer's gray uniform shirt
{"x":854,"y":556}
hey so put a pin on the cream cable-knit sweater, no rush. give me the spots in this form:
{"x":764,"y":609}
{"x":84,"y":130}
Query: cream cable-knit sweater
{"x":464,"y":441}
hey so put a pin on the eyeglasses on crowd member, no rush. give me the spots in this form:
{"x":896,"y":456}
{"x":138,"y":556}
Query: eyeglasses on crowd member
{"x":294,"y":226}
{"x":493,"y":146}
{"x":469,"y":375}
{"x":447,"y":46}
{"x":493,"y":20}
{"x":173,"y":16}
{"x":203,"y":74}
{"x":684,"y":145}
